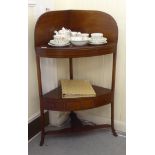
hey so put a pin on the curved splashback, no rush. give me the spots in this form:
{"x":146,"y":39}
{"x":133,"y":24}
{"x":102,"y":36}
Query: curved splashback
{"x":85,"y":21}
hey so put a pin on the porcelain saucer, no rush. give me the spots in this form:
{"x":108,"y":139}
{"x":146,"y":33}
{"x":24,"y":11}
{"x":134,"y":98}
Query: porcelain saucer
{"x":52,"y":43}
{"x":97,"y":43}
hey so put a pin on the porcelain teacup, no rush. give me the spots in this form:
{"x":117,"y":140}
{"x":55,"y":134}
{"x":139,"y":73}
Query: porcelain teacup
{"x":85,"y":36}
{"x":73,"y":34}
{"x":60,"y":39}
{"x":96,"y":37}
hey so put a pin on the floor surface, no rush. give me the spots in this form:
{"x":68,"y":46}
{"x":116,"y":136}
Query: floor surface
{"x":97,"y":142}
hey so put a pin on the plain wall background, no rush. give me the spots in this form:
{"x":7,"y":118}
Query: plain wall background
{"x":99,"y":67}
{"x":33,"y":96}
{"x":48,"y":66}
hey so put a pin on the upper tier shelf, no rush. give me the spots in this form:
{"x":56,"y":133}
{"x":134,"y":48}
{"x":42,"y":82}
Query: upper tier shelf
{"x":72,"y":51}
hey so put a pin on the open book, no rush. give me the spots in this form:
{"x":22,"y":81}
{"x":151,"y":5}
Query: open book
{"x":76,"y":89}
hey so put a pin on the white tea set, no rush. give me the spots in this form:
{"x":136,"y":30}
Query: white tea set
{"x":65,"y":37}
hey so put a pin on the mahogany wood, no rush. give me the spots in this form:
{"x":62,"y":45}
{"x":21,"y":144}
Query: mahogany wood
{"x":53,"y":100}
{"x":113,"y":89}
{"x":76,"y":126}
{"x":42,"y":115}
{"x":77,"y":20}
{"x":75,"y":51}
{"x":71,"y":68}
{"x":77,"y":129}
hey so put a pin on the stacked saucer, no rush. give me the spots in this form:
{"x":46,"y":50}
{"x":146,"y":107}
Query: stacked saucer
{"x":54,"y":43}
{"x":97,"y":39}
{"x":59,"y":40}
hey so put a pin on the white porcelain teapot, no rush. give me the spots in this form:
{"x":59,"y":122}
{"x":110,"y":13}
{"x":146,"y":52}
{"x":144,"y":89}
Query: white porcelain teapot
{"x":64,"y":32}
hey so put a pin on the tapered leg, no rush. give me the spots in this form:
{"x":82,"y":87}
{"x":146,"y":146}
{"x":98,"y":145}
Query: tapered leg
{"x":113,"y":89}
{"x":112,"y":119}
{"x":42,"y":120}
{"x":42,"y":124}
{"x":42,"y":139}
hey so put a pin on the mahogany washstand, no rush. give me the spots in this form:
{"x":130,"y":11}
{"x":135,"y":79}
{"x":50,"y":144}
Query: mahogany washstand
{"x":87,"y":22}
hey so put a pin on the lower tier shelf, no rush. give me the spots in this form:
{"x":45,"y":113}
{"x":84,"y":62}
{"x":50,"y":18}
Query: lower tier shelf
{"x":78,"y":129}
{"x":53,"y":100}
{"x":76,"y":125}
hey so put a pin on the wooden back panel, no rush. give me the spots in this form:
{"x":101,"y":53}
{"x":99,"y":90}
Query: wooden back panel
{"x":94,"y":21}
{"x":85,"y":21}
{"x":47,"y":24}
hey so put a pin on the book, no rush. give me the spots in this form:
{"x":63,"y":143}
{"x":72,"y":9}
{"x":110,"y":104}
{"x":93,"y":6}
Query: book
{"x":76,"y":89}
